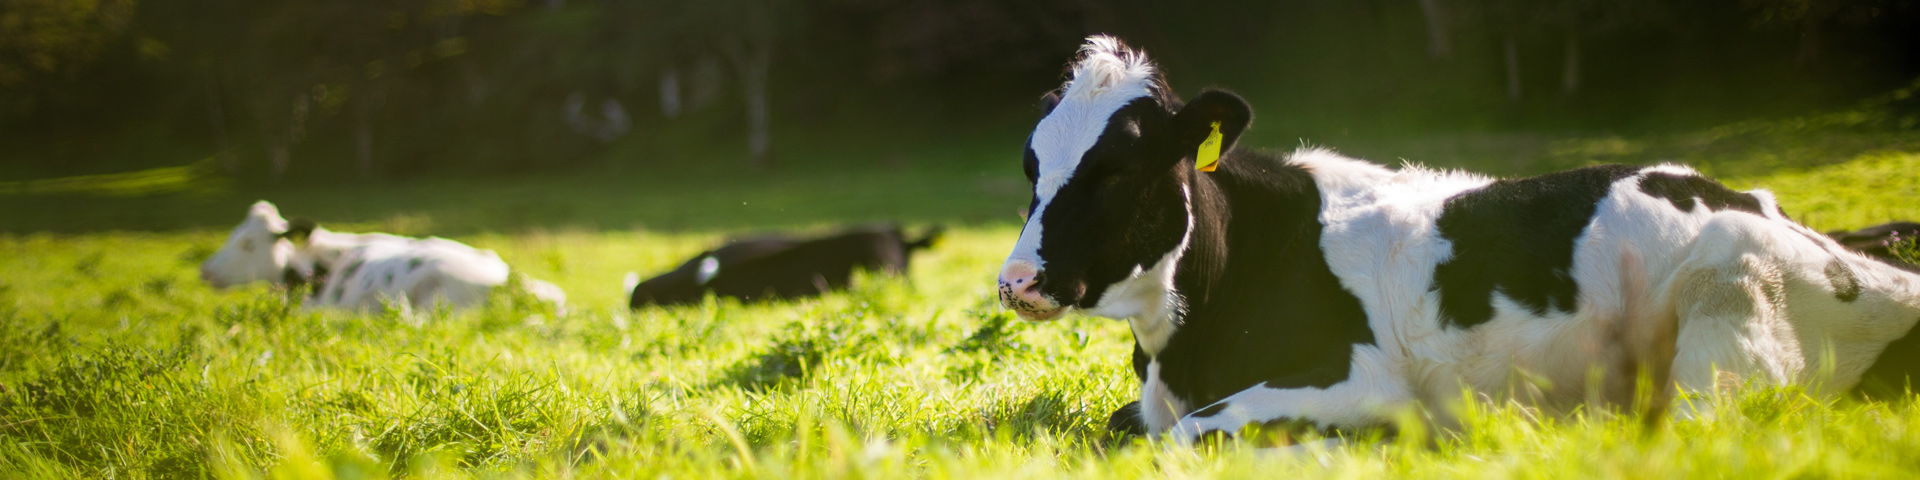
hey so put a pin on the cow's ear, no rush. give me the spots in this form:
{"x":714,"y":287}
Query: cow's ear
{"x":1196,"y":121}
{"x":1048,"y":101}
{"x":299,"y":230}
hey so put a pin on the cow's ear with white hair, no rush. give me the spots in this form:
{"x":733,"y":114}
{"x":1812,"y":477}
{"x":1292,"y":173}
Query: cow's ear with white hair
{"x":265,"y":208}
{"x":1194,"y":123}
{"x":298,"y":230}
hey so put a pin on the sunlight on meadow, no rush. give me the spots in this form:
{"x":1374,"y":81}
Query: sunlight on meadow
{"x":116,"y":360}
{"x":587,"y":142}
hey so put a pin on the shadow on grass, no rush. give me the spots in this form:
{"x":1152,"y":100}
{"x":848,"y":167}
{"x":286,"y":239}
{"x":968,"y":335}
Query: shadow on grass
{"x":964,"y":183}
{"x":672,"y":201}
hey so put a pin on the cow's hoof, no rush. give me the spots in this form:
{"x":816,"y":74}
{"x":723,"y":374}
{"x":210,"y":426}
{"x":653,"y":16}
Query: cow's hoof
{"x":1126,"y":423}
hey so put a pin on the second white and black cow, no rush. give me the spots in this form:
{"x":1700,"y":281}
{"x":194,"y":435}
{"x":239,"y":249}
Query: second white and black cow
{"x":780,"y":267}
{"x":1314,"y":289}
{"x":360,"y":271}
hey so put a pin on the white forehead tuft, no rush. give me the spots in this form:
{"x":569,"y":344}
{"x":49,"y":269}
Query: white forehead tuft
{"x":1106,"y":77}
{"x":1104,"y":65}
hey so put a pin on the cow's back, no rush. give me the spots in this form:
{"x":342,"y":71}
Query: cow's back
{"x":423,"y":271}
{"x":814,"y":266}
{"x":1465,"y":282}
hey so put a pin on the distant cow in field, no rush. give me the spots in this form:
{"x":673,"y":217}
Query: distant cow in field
{"x":1319,"y":291}
{"x":359,"y":271}
{"x":1878,"y":241}
{"x":766,"y":268}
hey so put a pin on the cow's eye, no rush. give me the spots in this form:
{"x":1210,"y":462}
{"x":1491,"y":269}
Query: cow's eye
{"x":246,"y":246}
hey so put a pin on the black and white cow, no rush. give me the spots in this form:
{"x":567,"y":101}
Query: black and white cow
{"x":360,"y":271}
{"x":1316,"y":289}
{"x":776,"y":267}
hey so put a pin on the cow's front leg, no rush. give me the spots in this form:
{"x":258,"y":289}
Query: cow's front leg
{"x":1367,"y":398}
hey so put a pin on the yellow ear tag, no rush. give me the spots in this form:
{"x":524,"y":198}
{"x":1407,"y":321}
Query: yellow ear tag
{"x":1209,"y":156}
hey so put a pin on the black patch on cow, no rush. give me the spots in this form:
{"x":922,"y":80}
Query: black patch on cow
{"x":1211,"y":410}
{"x":321,"y":276}
{"x":299,"y":230}
{"x":346,"y":274}
{"x":293,"y":279}
{"x":1126,"y":421}
{"x":1685,"y":192}
{"x":1263,"y":306}
{"x":1516,"y":237}
{"x":1846,"y":287}
{"x":1891,"y":375}
{"x":1140,"y":362}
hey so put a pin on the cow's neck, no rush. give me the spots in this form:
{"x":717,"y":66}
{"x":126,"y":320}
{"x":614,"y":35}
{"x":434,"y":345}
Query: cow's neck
{"x":1247,"y":189}
{"x":323,"y":247}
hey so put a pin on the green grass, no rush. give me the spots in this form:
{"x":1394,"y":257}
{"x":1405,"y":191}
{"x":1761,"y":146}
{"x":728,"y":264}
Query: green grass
{"x":115,"y":362}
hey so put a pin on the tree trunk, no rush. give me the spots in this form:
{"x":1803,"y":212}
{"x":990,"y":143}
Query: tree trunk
{"x":366,"y":104}
{"x":1439,"y":44}
{"x":751,"y":58}
{"x":758,"y":139}
{"x":1810,"y":33}
{"x":670,"y":93}
{"x":280,"y":143}
{"x":218,"y":117}
{"x":1512,"y":47}
{"x":1570,"y":71}
{"x":278,"y":158}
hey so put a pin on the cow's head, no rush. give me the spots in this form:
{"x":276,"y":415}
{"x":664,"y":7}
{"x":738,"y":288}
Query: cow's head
{"x":1109,"y":163}
{"x":684,"y":285}
{"x":260,"y":249}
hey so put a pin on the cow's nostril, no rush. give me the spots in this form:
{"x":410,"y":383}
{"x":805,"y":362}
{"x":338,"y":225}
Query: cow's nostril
{"x":1033,"y":285}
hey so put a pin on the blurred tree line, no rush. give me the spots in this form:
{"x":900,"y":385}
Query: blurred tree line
{"x":353,"y":89}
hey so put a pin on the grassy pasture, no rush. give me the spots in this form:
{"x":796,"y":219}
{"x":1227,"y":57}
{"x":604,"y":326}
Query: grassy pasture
{"x":115,"y":362}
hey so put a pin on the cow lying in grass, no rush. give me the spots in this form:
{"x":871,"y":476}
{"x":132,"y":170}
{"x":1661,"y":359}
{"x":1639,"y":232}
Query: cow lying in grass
{"x":1318,"y":291}
{"x":360,"y":271}
{"x":767,"y":268}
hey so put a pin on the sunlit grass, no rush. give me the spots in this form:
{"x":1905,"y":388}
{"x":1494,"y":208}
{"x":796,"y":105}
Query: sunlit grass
{"x":1873,"y":188}
{"x":115,"y":362}
{"x":197,"y":177}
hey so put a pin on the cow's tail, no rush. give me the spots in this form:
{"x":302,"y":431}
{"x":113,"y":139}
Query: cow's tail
{"x":1642,"y":343}
{"x":928,"y":238}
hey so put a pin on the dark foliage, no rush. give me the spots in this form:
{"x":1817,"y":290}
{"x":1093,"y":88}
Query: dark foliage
{"x":313,"y":90}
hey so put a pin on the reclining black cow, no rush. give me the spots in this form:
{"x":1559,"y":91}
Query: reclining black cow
{"x":773,"y":267}
{"x":1878,"y":241}
{"x":1315,"y":290}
